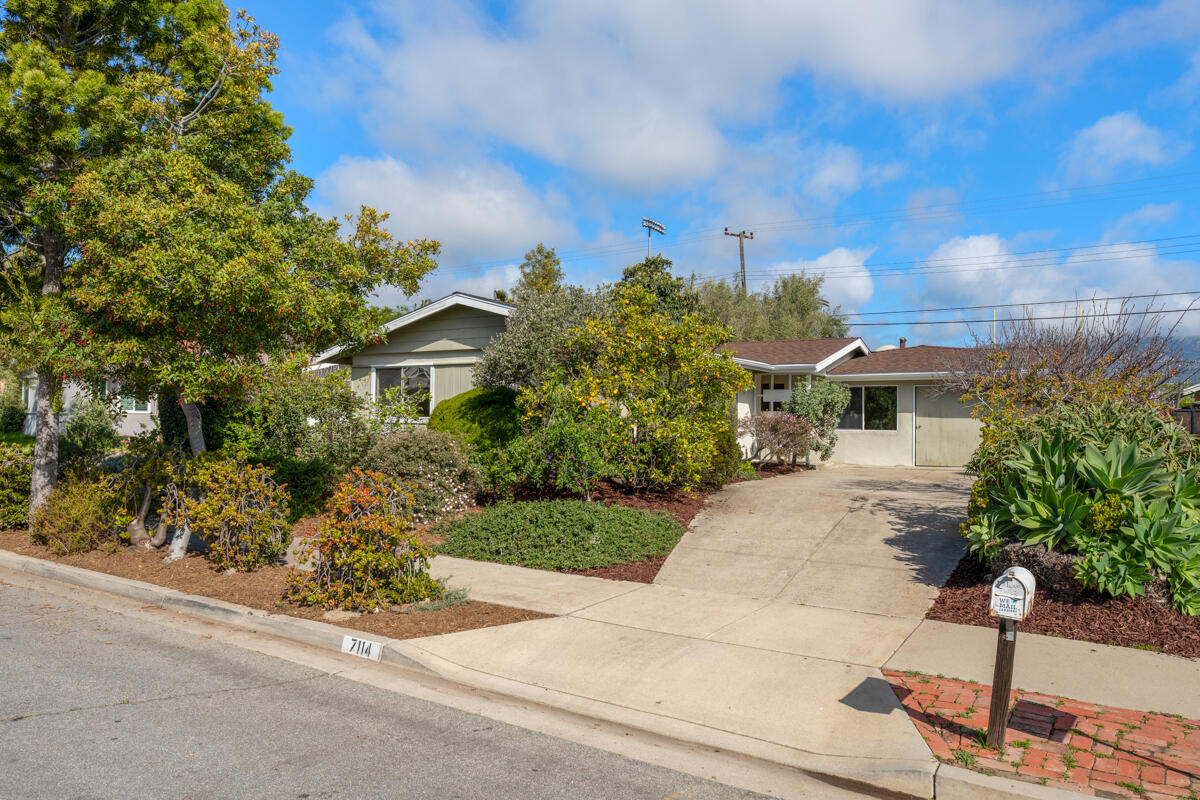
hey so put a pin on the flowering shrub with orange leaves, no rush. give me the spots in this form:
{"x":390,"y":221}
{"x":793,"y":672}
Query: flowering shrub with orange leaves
{"x":364,"y":556}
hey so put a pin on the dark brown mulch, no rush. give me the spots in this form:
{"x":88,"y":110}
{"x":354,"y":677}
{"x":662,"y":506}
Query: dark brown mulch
{"x":636,"y":571}
{"x":1124,"y":621}
{"x":683,"y":506}
{"x":772,"y":470}
{"x":263,"y":589}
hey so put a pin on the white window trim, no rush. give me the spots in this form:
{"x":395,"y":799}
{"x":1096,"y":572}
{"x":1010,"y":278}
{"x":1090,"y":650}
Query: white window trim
{"x":863,"y":410}
{"x":432,"y":384}
{"x":110,"y":389}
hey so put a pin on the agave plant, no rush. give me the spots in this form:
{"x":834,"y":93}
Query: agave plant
{"x":1120,"y":468}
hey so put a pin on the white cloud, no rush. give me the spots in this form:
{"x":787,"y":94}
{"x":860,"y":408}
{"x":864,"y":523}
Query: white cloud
{"x":477,"y":211}
{"x":848,"y":281}
{"x":1132,"y":224}
{"x":637,"y":92}
{"x":1117,"y":141}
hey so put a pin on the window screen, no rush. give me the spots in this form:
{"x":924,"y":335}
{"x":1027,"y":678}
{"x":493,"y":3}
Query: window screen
{"x":413,"y":383}
{"x":852,"y":417}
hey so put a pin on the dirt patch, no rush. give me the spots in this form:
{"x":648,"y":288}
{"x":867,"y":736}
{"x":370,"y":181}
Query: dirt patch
{"x":263,"y":589}
{"x":764,"y":471}
{"x":1123,"y":621}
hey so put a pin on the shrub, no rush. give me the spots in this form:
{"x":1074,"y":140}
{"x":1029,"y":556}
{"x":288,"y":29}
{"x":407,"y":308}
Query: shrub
{"x":89,"y":434}
{"x":1130,"y":520}
{"x":821,"y":403}
{"x":433,"y":466}
{"x":79,"y":515}
{"x":364,"y":557}
{"x":729,"y":461}
{"x":783,"y":437}
{"x":659,"y":380}
{"x":237,"y":509}
{"x":560,"y":534}
{"x":12,"y":417}
{"x":567,"y":455}
{"x":309,"y":482}
{"x":486,"y":417}
{"x":16,"y":471}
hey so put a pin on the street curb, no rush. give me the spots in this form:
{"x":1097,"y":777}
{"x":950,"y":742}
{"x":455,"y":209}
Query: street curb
{"x":958,"y":783}
{"x":305,"y":631}
{"x":884,"y":780}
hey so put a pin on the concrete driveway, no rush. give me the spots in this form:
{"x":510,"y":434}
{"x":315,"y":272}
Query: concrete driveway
{"x":879,"y":540}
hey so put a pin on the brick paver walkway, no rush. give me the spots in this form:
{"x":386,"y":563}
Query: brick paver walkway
{"x":1093,"y":749}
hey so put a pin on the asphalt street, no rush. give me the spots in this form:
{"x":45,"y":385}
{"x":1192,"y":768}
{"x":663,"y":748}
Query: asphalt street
{"x":94,"y":704}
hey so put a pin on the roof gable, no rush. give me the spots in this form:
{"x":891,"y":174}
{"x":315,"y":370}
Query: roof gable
{"x":808,"y":354}
{"x":429,"y":309}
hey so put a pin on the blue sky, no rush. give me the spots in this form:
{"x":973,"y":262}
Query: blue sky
{"x":918,"y":154}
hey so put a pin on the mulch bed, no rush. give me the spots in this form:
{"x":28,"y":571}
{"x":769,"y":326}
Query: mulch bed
{"x":1089,"y":748}
{"x":263,"y":589}
{"x":1123,"y":621}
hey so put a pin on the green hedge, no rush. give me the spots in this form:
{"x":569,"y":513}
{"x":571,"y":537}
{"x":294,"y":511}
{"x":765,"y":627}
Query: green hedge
{"x":560,"y":535}
{"x":487,"y":417}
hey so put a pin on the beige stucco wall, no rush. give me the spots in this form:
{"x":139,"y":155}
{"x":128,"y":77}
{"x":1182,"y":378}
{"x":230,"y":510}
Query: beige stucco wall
{"x":880,"y":448}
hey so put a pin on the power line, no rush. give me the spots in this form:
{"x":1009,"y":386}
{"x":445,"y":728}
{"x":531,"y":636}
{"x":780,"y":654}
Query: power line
{"x":1010,"y":305}
{"x":914,"y":323}
{"x":929,"y":213}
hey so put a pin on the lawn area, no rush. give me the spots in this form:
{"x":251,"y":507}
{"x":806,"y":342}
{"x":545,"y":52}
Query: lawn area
{"x":561,"y":535}
{"x":21,"y":440}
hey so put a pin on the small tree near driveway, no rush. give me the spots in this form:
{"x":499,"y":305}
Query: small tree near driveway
{"x":821,"y":403}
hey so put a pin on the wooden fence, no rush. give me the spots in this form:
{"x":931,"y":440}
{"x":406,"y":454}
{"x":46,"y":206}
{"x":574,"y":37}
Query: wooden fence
{"x":1189,"y":418}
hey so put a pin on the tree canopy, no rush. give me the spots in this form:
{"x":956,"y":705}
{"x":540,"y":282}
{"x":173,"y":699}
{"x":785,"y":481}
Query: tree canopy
{"x":790,"y":308}
{"x":541,"y":272}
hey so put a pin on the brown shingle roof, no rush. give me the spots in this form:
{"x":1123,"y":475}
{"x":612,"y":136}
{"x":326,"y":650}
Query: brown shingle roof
{"x":921,"y":358}
{"x":788,"y":351}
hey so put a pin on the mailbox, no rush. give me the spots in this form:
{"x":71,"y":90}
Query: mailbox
{"x":1012,"y":594}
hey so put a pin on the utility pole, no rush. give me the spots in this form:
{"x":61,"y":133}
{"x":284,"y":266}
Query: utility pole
{"x":742,"y":236}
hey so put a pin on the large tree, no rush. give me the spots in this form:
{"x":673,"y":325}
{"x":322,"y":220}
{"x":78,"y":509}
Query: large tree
{"x":143,"y":169}
{"x":790,"y":308}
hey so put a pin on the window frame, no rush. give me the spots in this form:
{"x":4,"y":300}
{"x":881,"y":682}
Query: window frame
{"x":112,"y":387}
{"x":862,"y":407}
{"x":432,"y":393}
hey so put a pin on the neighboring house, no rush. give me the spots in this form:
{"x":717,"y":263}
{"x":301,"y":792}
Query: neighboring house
{"x":136,"y":415}
{"x":429,"y":352}
{"x":896,"y":414}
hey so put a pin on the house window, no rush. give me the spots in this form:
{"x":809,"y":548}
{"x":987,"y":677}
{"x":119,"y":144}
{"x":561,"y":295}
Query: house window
{"x":773,"y":391}
{"x":871,"y":408}
{"x":415,"y":385}
{"x":127,"y":402}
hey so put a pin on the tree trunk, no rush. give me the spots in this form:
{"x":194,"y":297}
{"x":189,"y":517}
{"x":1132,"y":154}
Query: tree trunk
{"x":137,"y":528}
{"x":195,"y":429}
{"x":45,"y":447}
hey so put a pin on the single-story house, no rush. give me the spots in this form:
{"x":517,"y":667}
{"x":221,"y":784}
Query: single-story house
{"x":430,"y":351}
{"x":896,"y":416}
{"x":136,"y":416}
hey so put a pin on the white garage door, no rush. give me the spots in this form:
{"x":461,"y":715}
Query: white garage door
{"x":946,"y":435}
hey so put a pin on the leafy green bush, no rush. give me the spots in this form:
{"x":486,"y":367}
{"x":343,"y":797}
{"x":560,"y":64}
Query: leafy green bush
{"x":729,"y":461}
{"x":309,"y":482}
{"x":433,"y":466}
{"x":821,"y":403}
{"x":12,"y":416}
{"x":79,"y":515}
{"x":560,"y":534}
{"x":16,"y":471}
{"x":364,"y":556}
{"x":237,"y":509}
{"x":487,"y":417}
{"x":1130,"y":520}
{"x":568,"y":455}
{"x":89,"y":434}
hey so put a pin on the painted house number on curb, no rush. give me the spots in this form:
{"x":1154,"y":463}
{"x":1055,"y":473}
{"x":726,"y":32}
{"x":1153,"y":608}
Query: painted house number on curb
{"x":362,"y":648}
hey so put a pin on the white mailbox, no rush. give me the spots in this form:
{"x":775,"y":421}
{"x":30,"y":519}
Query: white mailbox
{"x":1012,"y":594}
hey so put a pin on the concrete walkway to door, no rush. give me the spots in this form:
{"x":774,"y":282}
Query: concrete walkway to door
{"x":879,"y":540}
